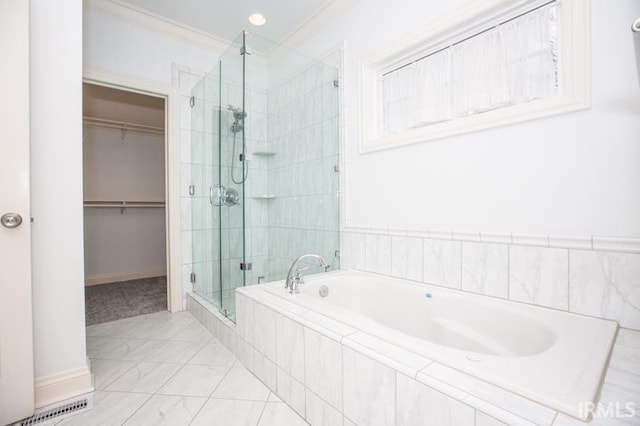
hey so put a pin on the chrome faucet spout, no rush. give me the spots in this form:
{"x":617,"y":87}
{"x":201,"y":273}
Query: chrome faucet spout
{"x":294,"y":276}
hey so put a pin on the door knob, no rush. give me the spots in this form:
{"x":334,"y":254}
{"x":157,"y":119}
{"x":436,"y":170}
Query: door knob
{"x":11,"y":220}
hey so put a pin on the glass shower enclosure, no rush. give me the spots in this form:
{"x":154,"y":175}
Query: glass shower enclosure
{"x":265,"y":154}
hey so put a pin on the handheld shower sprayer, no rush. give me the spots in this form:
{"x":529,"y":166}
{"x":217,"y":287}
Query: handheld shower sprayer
{"x":238,"y":126}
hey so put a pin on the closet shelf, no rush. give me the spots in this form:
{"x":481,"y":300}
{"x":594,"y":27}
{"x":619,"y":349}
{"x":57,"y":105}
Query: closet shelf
{"x":121,"y":125}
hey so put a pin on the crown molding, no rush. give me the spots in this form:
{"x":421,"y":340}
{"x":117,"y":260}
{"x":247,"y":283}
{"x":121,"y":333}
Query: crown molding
{"x":145,"y":19}
{"x":328,"y":13}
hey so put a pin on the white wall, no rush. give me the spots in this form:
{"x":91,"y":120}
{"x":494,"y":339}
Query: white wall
{"x":575,"y":174}
{"x":124,"y":246}
{"x":145,"y":54}
{"x":56,"y":176}
{"x":121,"y":47}
{"x":120,"y":246}
{"x":117,"y":169}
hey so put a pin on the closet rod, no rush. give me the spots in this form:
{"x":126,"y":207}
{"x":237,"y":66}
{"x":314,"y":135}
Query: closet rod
{"x":122,"y":125}
{"x":123,"y":205}
{"x":126,"y":205}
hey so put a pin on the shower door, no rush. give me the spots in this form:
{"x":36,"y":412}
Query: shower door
{"x":205,"y":233}
{"x":219,"y":171}
{"x":233,"y":174}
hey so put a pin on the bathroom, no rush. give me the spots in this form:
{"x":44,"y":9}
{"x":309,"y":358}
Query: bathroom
{"x":535,"y":210}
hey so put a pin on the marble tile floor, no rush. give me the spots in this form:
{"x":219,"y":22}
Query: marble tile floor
{"x":165,"y":368}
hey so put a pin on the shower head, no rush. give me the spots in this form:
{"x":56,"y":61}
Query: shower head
{"x":238,"y":113}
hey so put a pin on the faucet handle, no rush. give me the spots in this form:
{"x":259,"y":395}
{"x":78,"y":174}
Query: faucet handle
{"x":299,"y":280}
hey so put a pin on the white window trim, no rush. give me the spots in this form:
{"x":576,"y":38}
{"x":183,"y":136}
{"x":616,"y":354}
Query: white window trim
{"x":575,"y":75}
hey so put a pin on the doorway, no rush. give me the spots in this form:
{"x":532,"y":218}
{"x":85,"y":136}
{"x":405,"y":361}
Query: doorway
{"x":125,"y":219}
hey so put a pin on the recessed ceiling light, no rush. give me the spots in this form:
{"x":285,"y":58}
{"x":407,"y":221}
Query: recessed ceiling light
{"x":257,"y":19}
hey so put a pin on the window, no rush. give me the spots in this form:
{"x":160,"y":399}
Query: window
{"x":517,"y":62}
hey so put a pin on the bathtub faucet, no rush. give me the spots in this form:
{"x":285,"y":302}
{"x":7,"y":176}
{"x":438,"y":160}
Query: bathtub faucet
{"x":294,"y":277}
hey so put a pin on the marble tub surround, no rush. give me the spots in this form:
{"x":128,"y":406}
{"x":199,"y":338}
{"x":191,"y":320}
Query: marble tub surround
{"x":580,"y":274}
{"x":452,"y":398}
{"x":351,"y":373}
{"x":485,"y":269}
{"x":542,"y":354}
{"x":606,"y":284}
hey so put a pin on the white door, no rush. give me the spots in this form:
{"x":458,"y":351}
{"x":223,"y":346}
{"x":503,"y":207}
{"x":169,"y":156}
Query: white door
{"x":16,"y":329}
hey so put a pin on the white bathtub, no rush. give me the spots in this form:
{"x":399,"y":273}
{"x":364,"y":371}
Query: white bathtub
{"x":549,"y":356}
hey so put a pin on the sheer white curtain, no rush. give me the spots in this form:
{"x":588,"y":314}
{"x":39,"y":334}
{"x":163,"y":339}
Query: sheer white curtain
{"x":513,"y":62}
{"x":532,"y":50}
{"x":433,"y":88}
{"x":399,"y":102}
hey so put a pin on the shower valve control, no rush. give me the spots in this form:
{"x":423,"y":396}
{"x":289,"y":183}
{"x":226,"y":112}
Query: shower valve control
{"x":219,"y":195}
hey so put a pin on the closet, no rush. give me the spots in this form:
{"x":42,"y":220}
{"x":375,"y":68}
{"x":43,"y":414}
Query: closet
{"x":124,"y":203}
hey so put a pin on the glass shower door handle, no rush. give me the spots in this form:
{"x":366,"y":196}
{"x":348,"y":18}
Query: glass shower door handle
{"x":215,"y":194}
{"x":219,"y":195}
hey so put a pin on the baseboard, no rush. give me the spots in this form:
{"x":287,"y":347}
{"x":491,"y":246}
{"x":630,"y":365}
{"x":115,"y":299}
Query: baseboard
{"x":59,"y":387}
{"x":116,"y":278}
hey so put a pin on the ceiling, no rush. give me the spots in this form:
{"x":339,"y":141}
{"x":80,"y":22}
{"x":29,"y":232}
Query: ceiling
{"x":226,"y":19}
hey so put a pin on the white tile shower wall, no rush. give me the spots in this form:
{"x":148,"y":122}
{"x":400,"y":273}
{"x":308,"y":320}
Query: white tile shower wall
{"x":592,"y":282}
{"x":200,"y":160}
{"x":303,"y":134}
{"x":368,"y":381}
{"x":251,"y":213}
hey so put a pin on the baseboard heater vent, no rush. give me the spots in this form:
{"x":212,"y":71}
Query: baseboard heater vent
{"x":56,"y":413}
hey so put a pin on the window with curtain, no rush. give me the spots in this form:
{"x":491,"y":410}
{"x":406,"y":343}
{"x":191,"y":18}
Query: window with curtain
{"x":510,"y":63}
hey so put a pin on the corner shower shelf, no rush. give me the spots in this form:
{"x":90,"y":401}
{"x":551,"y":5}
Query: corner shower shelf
{"x":264,"y":153}
{"x":264,"y":197}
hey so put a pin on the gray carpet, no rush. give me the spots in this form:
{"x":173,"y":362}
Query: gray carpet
{"x":110,"y":302}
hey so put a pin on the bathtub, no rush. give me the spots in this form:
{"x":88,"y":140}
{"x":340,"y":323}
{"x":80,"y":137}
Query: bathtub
{"x":549,"y":356}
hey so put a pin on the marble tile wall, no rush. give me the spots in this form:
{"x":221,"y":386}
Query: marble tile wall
{"x":291,"y":195}
{"x":205,"y":162}
{"x":303,"y":133}
{"x":594,"y":282}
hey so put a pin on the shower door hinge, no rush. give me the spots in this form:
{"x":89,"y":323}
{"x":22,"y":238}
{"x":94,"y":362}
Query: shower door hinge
{"x":336,"y":83}
{"x":192,"y":278}
{"x":245,"y":266}
{"x":192,"y":101}
{"x":192,"y":190}
{"x":336,"y":168}
{"x":336,"y":254}
{"x":242,"y":157}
